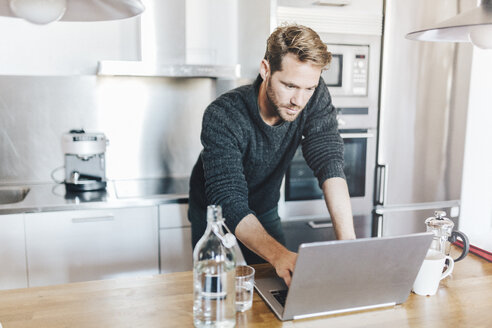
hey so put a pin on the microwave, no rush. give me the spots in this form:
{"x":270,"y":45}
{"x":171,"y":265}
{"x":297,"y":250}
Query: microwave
{"x":348,"y":72}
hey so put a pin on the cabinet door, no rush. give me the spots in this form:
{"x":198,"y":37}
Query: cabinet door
{"x":72,"y":246}
{"x":13,"y":273}
{"x":176,"y":253}
{"x":173,"y":216}
{"x":175,"y":249}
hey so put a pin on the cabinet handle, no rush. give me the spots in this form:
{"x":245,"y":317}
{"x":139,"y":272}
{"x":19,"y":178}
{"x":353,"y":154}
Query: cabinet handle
{"x":320,"y":224}
{"x":93,"y":219}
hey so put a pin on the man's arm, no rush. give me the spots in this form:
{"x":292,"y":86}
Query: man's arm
{"x":337,"y":200}
{"x":252,"y":234}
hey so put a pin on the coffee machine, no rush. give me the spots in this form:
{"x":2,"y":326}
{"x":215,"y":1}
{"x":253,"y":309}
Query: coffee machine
{"x":85,"y":164}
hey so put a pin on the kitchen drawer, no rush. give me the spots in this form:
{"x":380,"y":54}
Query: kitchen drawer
{"x":70,"y":246}
{"x":173,"y":216}
{"x":13,"y":272}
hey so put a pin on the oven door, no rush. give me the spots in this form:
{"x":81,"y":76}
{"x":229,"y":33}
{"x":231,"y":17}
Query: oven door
{"x":302,"y":196}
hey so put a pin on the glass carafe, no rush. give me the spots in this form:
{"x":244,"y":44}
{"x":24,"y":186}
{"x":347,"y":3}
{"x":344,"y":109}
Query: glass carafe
{"x":444,"y":235}
{"x":214,"y":270}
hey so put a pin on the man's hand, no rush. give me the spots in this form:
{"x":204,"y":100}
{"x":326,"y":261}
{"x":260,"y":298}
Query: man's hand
{"x":252,"y":234}
{"x":284,"y":265}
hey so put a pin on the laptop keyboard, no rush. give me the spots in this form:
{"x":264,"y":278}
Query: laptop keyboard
{"x":280,"y":295}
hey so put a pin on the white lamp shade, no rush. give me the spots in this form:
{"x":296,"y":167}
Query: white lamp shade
{"x":39,"y":11}
{"x":470,"y":26}
{"x":481,"y":36}
{"x":76,"y":10}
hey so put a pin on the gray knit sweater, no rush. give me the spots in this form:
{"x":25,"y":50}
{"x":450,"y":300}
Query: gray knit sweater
{"x":244,"y":159}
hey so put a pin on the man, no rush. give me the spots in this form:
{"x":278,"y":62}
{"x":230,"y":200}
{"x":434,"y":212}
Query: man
{"x":249,"y":137}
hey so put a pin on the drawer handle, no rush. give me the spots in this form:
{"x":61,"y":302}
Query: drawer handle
{"x":320,"y":224}
{"x":93,"y":219}
{"x":361,"y":135}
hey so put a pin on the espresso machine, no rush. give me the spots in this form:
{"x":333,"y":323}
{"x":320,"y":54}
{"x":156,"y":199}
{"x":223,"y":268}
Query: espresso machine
{"x":85,"y":164}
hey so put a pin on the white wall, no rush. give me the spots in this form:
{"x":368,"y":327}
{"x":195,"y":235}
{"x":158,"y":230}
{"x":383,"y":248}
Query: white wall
{"x":65,"y":48}
{"x":476,"y":192}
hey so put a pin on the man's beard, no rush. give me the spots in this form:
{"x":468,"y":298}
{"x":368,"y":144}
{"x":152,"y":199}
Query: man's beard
{"x":272,"y":99}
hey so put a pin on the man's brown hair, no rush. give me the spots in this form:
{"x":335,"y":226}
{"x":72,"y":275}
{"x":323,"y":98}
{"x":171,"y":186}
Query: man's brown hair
{"x":299,"y":40}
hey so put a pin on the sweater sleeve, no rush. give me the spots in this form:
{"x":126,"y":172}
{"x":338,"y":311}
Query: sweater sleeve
{"x":322,"y":145}
{"x":225,"y":183}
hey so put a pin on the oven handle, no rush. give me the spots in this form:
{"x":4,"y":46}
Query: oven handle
{"x":359,"y":135}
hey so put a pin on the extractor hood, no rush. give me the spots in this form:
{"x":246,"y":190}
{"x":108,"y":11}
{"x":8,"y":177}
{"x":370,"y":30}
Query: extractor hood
{"x":163,"y":45}
{"x":142,"y":68}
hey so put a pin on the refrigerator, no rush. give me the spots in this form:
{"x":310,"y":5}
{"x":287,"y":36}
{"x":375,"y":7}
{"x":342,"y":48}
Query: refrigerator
{"x":422,"y":119}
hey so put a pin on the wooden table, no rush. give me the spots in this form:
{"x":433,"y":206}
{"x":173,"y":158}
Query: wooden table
{"x":463,"y":300}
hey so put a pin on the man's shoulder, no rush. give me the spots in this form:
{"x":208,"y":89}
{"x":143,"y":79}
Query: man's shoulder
{"x":233,"y":103}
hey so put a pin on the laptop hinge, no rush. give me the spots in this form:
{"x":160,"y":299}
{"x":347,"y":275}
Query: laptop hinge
{"x":360,"y":308}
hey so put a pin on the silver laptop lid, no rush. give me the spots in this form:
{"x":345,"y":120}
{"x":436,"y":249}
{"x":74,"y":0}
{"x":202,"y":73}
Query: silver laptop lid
{"x":336,"y":276}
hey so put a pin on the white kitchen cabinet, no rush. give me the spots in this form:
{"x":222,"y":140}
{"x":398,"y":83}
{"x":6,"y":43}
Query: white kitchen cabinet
{"x":176,"y":253}
{"x":71,"y":246}
{"x":13,"y":272}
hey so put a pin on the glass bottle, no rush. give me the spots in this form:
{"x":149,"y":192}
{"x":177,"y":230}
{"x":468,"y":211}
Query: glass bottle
{"x":214,"y":264}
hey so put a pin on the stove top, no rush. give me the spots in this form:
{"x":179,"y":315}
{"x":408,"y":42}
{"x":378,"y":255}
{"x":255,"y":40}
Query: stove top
{"x":141,"y":188}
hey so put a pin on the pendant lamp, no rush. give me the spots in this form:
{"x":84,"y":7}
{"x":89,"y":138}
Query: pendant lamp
{"x":473,"y":26}
{"x":47,"y":11}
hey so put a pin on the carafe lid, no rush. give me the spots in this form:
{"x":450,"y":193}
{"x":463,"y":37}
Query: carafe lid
{"x":439,"y":222}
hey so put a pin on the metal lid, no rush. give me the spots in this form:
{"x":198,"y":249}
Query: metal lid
{"x":439,"y":221}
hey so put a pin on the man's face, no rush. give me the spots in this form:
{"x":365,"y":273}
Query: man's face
{"x":289,"y":90}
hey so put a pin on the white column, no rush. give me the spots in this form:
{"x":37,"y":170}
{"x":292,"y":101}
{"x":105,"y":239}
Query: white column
{"x":476,"y":192}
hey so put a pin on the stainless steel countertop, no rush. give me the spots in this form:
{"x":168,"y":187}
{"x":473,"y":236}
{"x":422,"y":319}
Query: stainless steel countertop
{"x":118,"y":194}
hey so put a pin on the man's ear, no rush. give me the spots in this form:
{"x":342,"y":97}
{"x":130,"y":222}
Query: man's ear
{"x":264,"y":69}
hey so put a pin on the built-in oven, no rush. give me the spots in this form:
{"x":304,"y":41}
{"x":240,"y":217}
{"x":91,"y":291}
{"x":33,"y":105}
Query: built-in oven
{"x":302,"y":196}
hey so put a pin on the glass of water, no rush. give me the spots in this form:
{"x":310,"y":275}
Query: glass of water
{"x":245,"y":281}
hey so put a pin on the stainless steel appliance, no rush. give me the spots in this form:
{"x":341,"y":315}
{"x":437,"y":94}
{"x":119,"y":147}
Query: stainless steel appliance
{"x":85,"y":164}
{"x":422,"y":119}
{"x":303,"y":196}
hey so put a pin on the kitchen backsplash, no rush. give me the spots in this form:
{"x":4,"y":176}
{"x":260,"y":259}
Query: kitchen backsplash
{"x":153,"y":124}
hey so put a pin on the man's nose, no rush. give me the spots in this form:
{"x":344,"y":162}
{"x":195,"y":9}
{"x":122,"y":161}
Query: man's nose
{"x":297,"y":98}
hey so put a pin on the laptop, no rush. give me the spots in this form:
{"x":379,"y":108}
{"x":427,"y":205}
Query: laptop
{"x":348,"y":275}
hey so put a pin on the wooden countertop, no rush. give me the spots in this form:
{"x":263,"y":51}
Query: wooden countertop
{"x":463,"y":300}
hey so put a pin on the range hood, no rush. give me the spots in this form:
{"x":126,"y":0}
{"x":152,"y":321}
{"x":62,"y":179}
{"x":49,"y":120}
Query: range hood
{"x":142,"y":68}
{"x":164,"y":49}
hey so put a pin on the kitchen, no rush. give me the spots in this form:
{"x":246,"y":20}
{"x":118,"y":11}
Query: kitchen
{"x":65,"y":87}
